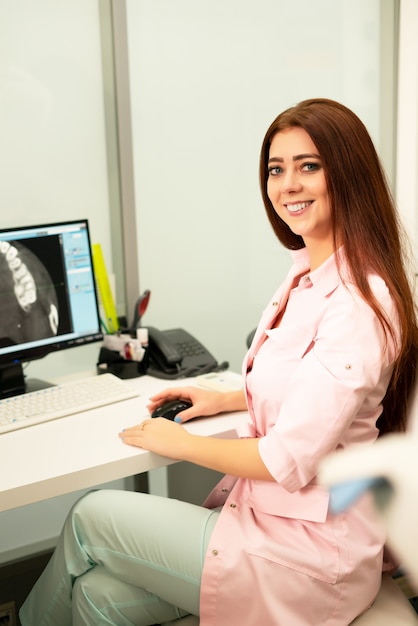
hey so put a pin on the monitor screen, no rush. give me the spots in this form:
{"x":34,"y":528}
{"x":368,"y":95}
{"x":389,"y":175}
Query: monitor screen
{"x":48,"y":298}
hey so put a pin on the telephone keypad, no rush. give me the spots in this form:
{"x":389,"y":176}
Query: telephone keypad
{"x":189,"y":348}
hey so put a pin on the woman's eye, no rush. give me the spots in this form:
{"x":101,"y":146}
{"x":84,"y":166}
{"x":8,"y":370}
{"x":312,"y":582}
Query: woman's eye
{"x":310,"y":167}
{"x":274,"y":171}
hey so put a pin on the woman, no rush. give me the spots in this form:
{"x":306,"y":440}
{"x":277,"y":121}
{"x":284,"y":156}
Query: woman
{"x":337,"y":343}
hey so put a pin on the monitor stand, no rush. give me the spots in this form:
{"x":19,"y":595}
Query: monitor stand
{"x":14,"y":383}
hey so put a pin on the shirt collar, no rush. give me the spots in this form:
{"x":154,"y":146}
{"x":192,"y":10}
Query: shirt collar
{"x":324,"y":278}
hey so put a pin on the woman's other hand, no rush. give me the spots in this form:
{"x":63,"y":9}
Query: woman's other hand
{"x":158,"y":435}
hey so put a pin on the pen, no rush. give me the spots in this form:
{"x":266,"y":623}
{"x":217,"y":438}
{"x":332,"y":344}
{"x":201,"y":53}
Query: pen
{"x":105,"y":328}
{"x":141,"y":306}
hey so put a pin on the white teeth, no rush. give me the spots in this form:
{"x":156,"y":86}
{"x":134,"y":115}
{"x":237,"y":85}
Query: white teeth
{"x":293,"y":208}
{"x":21,"y":273}
{"x":24,"y":284}
{"x":15,"y":263}
{"x":53,"y":318}
{"x":11,"y":254}
{"x":26,"y":298}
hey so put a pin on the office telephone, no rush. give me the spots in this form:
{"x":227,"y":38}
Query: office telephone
{"x":176,"y":353}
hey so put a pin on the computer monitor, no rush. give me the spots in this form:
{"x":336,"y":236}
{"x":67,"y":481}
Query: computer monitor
{"x":48,"y":298}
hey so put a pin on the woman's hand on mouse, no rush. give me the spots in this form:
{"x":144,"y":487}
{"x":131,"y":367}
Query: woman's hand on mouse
{"x":158,"y":435}
{"x":169,"y":438}
{"x":204,"y":402}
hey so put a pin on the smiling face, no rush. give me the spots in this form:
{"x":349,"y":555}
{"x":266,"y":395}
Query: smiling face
{"x":297,"y":190}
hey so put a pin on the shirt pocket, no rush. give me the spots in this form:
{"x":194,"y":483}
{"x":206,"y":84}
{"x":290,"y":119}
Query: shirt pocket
{"x":277,"y":358}
{"x":308,"y":548}
{"x":291,"y":340}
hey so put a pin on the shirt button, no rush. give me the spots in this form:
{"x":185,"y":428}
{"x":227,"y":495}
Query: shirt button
{"x":233,"y":506}
{"x":215,"y":552}
{"x":307,"y":279}
{"x":225,"y":490}
{"x":348,"y":366}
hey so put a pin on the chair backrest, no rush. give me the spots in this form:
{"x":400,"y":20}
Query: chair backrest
{"x":391,"y":608}
{"x":250,"y":338}
{"x":413,"y":412}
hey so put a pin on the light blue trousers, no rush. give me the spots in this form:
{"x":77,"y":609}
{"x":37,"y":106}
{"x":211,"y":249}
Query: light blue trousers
{"x":123,"y":559}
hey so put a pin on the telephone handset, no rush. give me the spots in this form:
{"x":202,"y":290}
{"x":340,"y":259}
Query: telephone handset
{"x":176,"y":353}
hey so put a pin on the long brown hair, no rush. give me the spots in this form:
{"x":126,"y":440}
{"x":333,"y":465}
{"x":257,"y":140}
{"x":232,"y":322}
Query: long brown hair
{"x":366,"y":220}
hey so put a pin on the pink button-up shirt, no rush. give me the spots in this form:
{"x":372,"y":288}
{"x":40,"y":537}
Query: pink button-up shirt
{"x":314,"y":383}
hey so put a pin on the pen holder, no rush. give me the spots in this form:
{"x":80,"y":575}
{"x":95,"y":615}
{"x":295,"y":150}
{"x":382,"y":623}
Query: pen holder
{"x":111,"y":362}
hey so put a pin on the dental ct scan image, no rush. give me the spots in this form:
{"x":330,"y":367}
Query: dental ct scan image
{"x":34,"y":302}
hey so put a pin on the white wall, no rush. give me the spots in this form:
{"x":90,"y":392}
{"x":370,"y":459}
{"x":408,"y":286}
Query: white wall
{"x":53,"y":167}
{"x":53,"y":144}
{"x":207,"y":78}
{"x":407,"y":127}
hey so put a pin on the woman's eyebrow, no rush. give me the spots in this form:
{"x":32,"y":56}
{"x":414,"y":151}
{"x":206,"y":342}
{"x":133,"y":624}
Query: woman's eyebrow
{"x":311,"y":155}
{"x":297,"y":157}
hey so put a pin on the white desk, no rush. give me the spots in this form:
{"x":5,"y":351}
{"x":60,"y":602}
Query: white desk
{"x":84,"y":450}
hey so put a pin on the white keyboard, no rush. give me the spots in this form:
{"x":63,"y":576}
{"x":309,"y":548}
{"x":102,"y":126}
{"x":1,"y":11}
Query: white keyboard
{"x":68,"y":398}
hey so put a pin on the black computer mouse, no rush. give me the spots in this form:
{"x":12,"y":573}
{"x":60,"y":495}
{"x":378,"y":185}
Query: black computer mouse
{"x":170,"y":409}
